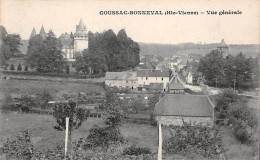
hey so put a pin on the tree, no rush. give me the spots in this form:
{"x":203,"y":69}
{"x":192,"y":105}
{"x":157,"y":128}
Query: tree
{"x":67,"y":69}
{"x":19,"y":67}
{"x":212,"y":67}
{"x":9,"y":45}
{"x":68,"y":109}
{"x":45,"y":55}
{"x":12,"y":67}
{"x":26,"y":68}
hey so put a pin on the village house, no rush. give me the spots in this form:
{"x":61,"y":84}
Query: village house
{"x":174,"y":109}
{"x":150,"y":78}
{"x":175,"y":86}
{"x":121,"y":79}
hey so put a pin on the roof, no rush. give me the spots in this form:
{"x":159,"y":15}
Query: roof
{"x":66,"y":40}
{"x":120,"y":76}
{"x":152,"y":73}
{"x":175,"y":84}
{"x":184,"y":105}
{"x":33,"y":33}
{"x":147,"y":65}
{"x":223,"y":44}
{"x":42,"y":33}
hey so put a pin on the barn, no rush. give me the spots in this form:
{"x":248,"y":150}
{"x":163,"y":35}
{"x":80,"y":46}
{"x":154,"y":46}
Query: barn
{"x":173,"y":109}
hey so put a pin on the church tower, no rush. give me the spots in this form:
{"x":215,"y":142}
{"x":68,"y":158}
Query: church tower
{"x":80,"y":37}
{"x":223,"y":48}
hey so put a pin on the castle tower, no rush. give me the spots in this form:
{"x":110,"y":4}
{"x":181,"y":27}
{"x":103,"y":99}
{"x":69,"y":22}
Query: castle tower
{"x":42,"y":33}
{"x":33,"y":33}
{"x":80,"y":37}
{"x":223,"y":48}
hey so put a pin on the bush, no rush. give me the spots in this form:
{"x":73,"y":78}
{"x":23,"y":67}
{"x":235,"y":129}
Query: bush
{"x":136,"y":151}
{"x":241,"y":133}
{"x":19,"y":67}
{"x":67,"y":69}
{"x":26,"y":68}
{"x":8,"y":104}
{"x":12,"y":67}
{"x":19,"y":148}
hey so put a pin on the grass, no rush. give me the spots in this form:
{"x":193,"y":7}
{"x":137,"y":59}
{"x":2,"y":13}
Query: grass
{"x":236,"y":150}
{"x":55,"y":88}
{"x":41,"y":128}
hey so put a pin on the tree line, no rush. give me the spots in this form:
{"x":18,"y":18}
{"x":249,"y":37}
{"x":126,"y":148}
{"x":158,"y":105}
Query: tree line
{"x":108,"y":52}
{"x":9,"y":45}
{"x":237,"y":72}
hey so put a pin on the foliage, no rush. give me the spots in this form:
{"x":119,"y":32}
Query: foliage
{"x":133,"y":150}
{"x":108,"y":52}
{"x":8,"y":104}
{"x":203,"y":140}
{"x":67,"y":69}
{"x":103,"y":136}
{"x":26,"y":68}
{"x":43,"y":98}
{"x":237,"y":72}
{"x":68,"y":109}
{"x":234,"y":108}
{"x":45,"y":55}
{"x":19,"y":147}
{"x":9,"y":45}
{"x":12,"y":67}
{"x":19,"y":67}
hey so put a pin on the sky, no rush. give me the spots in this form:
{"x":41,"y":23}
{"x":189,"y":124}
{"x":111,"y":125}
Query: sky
{"x":20,"y":16}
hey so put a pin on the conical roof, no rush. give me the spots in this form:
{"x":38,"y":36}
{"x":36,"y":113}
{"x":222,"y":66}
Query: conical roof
{"x":81,"y":24}
{"x":42,"y":33}
{"x":223,"y":44}
{"x":33,"y":33}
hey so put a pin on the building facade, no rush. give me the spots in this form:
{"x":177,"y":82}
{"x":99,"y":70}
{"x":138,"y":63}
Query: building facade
{"x":121,"y":79}
{"x":80,"y":37}
{"x":148,"y":77}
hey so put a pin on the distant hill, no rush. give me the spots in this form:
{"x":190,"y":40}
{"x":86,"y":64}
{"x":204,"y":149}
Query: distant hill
{"x":24,"y":47}
{"x":188,"y":48}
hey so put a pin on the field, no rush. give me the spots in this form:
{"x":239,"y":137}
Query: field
{"x":55,"y":88}
{"x":44,"y":136}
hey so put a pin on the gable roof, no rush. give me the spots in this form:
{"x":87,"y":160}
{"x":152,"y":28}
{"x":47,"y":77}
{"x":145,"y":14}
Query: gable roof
{"x":147,"y":65}
{"x":175,"y":84}
{"x":120,"y":76}
{"x":152,"y":73}
{"x":184,"y":105}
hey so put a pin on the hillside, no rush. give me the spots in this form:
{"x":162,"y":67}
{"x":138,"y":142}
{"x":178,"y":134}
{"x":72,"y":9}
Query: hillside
{"x":187,"y":48}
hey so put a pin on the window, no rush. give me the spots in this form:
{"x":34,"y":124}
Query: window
{"x":156,"y":78}
{"x":146,"y":78}
{"x":162,"y":78}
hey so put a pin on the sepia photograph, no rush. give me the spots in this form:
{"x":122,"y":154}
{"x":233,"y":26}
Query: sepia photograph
{"x":129,"y":79}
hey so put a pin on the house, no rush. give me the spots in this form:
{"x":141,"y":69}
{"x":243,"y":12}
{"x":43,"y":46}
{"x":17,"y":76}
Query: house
{"x":175,"y":86}
{"x":174,"y":109}
{"x":147,"y":77}
{"x":121,"y":79}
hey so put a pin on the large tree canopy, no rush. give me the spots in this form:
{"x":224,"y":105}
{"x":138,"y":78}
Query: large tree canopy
{"x":9,"y":45}
{"x":45,"y":55}
{"x":236,"y":72}
{"x":109,"y":52}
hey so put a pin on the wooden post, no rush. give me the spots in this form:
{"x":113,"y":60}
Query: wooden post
{"x":66,"y":137}
{"x":160,"y":141}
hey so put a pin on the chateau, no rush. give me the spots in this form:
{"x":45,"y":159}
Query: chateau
{"x":71,"y":43}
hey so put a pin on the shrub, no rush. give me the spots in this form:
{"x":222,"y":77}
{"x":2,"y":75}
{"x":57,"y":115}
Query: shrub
{"x":19,"y":67}
{"x":133,"y":150}
{"x":207,"y":142}
{"x":43,"y":98}
{"x":8,"y":104}
{"x":241,"y":133}
{"x":12,"y":67}
{"x":20,"y":147}
{"x":26,"y":68}
{"x":67,"y":69}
